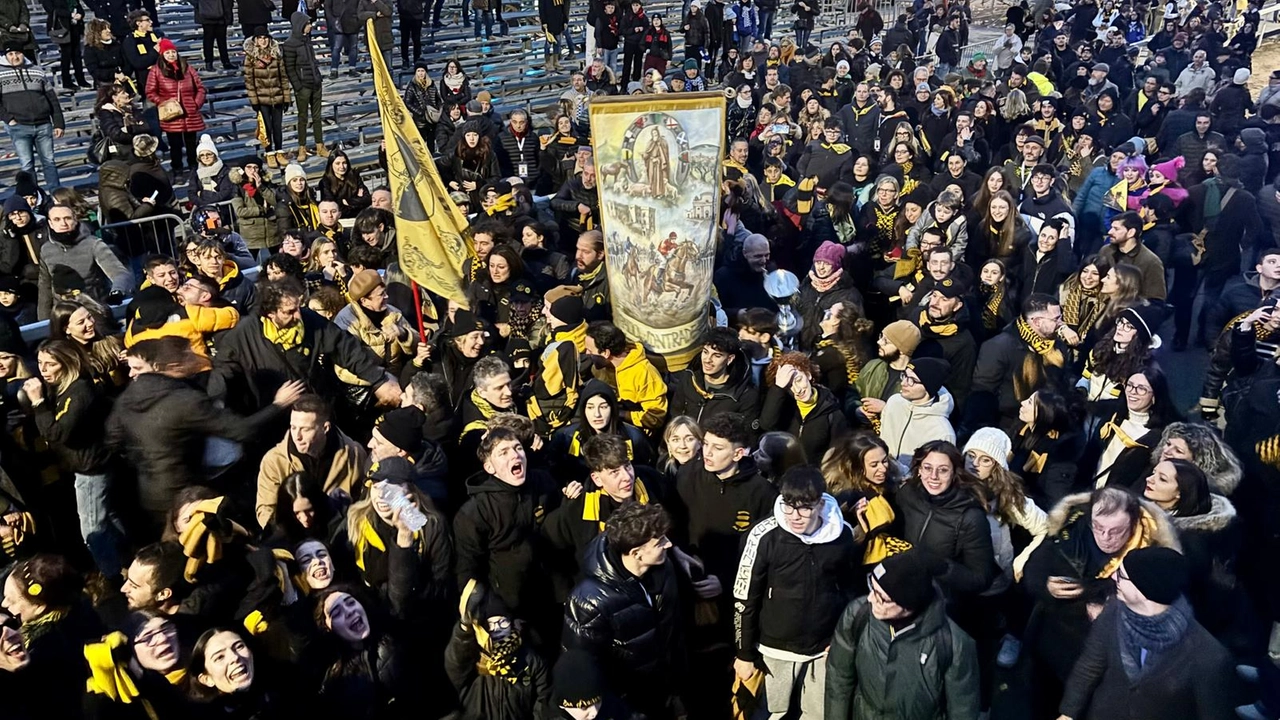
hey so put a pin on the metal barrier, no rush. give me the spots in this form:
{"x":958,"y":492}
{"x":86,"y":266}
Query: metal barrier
{"x":159,"y":235}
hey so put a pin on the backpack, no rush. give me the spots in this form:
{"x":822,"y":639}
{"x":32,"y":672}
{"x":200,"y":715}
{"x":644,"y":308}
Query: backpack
{"x":862,"y":618}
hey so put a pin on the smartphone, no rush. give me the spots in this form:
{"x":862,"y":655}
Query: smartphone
{"x":781,"y":129}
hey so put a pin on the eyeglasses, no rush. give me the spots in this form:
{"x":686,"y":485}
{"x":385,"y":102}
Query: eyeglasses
{"x":1137,"y":389}
{"x":1112,"y":534}
{"x":155,"y":636}
{"x":804,"y":511}
{"x":908,"y":381}
{"x":1122,"y":323}
{"x":500,"y":624}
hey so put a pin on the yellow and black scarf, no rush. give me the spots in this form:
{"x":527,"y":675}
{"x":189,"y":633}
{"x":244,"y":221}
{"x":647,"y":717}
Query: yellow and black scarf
{"x":946,"y":329}
{"x":1044,"y":347}
{"x":852,"y":364}
{"x":287,"y":339}
{"x":991,"y":309}
{"x":591,"y":503}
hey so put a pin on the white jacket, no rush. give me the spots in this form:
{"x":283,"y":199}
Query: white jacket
{"x":905,"y":426}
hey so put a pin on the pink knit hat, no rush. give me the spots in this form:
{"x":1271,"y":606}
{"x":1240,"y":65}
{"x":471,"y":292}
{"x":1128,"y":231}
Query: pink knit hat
{"x":830,"y":253}
{"x":1170,"y":168}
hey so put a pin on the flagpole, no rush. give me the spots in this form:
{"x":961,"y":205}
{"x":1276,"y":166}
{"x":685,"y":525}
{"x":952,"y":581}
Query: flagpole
{"x":417,"y":306}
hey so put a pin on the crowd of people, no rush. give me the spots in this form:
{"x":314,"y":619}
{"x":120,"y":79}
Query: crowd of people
{"x":945,"y":477}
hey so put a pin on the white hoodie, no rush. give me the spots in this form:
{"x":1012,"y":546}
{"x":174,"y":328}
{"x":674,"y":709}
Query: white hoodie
{"x":905,"y":426}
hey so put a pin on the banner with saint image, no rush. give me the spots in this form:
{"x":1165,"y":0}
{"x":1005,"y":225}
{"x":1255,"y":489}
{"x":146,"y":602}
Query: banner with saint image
{"x":658,"y":176}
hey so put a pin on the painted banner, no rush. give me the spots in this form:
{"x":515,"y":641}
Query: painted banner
{"x":658,"y":176}
{"x":431,"y":231}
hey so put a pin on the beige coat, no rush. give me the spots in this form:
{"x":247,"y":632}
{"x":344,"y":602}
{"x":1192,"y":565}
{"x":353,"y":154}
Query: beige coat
{"x":350,"y":465}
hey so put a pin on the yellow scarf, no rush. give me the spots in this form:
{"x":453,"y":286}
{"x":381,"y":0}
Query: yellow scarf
{"x":591,"y":503}
{"x":201,"y":543}
{"x":1112,"y":427}
{"x":287,"y":339}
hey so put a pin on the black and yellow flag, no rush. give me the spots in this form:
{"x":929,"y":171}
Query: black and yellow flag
{"x":431,"y":231}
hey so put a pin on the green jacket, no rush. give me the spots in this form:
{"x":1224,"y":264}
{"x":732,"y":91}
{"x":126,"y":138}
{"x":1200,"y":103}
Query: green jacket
{"x":874,"y":674}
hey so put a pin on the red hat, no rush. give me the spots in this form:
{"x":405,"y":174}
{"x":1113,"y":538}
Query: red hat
{"x":166,"y":45}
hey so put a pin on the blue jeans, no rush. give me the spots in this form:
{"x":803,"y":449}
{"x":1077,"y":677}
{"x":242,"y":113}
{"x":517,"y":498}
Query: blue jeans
{"x":31,"y":139}
{"x":338,"y":41}
{"x":766,"y":25}
{"x":611,"y":59}
{"x":99,"y":525}
{"x":487,"y":15}
{"x":553,"y":48}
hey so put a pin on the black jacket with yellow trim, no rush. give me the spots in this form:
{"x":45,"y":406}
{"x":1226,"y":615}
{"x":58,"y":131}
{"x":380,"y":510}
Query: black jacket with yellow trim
{"x":557,"y":380}
{"x":691,"y":396}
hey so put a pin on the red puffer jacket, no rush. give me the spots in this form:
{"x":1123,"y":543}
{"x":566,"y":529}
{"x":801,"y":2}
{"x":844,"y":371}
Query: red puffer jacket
{"x":187,"y":88}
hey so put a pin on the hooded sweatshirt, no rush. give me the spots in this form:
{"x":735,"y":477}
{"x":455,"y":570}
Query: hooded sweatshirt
{"x":790,"y":588}
{"x":905,"y":426}
{"x":27,"y":96}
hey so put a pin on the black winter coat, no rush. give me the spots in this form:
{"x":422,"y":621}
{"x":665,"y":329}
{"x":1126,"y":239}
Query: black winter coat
{"x":160,"y":424}
{"x":816,"y":431}
{"x":300,"y":63}
{"x":719,"y":512}
{"x":953,"y":526}
{"x":630,"y":623}
{"x":253,"y":13}
{"x":249,"y":369}
{"x":1193,"y":679}
{"x":103,"y":63}
{"x":499,"y":540}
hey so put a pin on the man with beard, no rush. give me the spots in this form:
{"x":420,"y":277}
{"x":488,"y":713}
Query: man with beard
{"x":740,"y":284}
{"x":1017,"y":171}
{"x":719,"y":383}
{"x":969,"y":142}
{"x":881,"y":378}
{"x":1049,"y":127}
{"x":315,"y":448}
{"x":591,"y":275}
{"x":498,"y":530}
{"x":154,"y":579}
{"x":944,"y":333}
{"x":890,"y":115}
{"x":577,"y":204}
{"x":72,"y":246}
{"x":1014,"y":364}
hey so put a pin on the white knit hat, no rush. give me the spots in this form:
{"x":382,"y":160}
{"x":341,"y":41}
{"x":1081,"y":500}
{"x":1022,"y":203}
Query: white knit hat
{"x":207,"y":145}
{"x":991,"y":442}
{"x":293,"y":170}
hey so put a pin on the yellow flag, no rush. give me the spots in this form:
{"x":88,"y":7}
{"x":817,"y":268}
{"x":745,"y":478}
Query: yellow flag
{"x":431,"y":231}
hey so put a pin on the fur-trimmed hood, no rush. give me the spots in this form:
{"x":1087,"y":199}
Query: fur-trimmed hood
{"x":1221,"y":514}
{"x":252,"y":51}
{"x":1165,"y":534}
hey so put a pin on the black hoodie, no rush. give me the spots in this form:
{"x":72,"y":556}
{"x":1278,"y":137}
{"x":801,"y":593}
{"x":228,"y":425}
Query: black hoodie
{"x":719,"y":513}
{"x":692,"y":396}
{"x":498,"y":535}
{"x":568,"y":441}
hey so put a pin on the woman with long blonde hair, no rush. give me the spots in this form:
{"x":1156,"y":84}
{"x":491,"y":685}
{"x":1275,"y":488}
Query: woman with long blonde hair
{"x":71,"y":416}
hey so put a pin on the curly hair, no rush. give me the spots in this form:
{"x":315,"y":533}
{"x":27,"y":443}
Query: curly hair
{"x":798,"y":360}
{"x":844,"y":466}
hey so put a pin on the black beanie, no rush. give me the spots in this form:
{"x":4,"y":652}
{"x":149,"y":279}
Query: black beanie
{"x":1159,"y":573}
{"x":25,"y":184}
{"x":569,"y":310}
{"x":393,"y":470}
{"x":66,"y":281}
{"x":153,"y":306}
{"x":932,"y":373}
{"x":907,"y":579}
{"x":402,"y":427}
{"x":575,"y":681}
